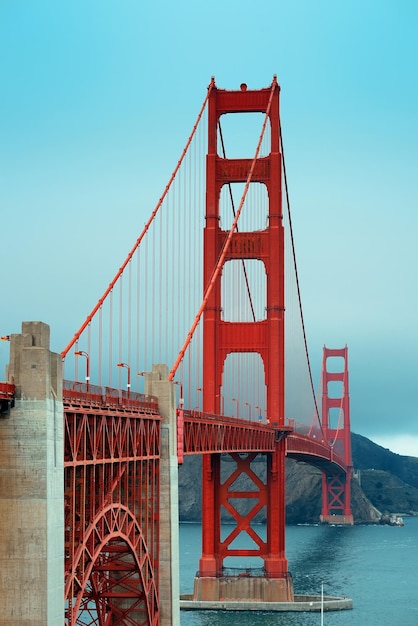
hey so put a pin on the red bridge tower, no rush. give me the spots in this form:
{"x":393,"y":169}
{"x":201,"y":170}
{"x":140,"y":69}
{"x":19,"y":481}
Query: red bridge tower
{"x":265,"y":337}
{"x":336,"y":488}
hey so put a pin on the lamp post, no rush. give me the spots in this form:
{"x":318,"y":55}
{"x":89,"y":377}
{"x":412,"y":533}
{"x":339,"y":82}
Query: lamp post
{"x":221,"y":403}
{"x":181,"y":399}
{"x":129,"y":376}
{"x":142,"y":374}
{"x":199,"y":390}
{"x":85,"y":354}
{"x":237,"y":401}
{"x":260,"y":415}
{"x":249,"y":410}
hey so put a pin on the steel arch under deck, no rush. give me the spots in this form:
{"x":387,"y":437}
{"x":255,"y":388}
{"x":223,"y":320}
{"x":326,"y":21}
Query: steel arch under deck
{"x":111,"y":482}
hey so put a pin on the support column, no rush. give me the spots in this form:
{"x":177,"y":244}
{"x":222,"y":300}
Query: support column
{"x":157,"y":384}
{"x":32,"y":485}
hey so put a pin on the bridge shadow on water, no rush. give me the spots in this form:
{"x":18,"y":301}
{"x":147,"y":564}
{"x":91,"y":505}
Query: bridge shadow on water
{"x":315,"y":554}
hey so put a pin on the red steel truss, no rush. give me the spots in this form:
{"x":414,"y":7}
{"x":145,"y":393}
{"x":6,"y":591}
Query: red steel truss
{"x":336,"y":486}
{"x":318,"y":453}
{"x":111,"y":487}
{"x":264,"y":337}
{"x":206,"y":433}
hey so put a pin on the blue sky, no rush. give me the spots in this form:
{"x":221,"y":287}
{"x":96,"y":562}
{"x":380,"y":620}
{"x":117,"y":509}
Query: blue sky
{"x":97,"y":101}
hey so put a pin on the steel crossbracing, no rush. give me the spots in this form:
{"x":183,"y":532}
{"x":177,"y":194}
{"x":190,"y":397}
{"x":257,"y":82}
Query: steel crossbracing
{"x":226,"y":342}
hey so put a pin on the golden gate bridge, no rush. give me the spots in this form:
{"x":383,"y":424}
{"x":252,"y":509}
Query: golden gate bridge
{"x":200,"y":328}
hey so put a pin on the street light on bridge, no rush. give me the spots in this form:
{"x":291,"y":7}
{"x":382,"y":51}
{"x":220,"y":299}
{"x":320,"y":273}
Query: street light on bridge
{"x":181,"y":399}
{"x":85,"y":354}
{"x":249,"y":410}
{"x":199,"y":390}
{"x":128,"y":367}
{"x":143,"y":374}
{"x":237,"y":401}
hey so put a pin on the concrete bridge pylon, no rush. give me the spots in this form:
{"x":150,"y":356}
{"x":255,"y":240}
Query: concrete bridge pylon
{"x":32,"y":485}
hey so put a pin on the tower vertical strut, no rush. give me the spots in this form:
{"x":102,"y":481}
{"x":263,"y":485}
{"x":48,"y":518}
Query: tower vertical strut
{"x":266,"y":338}
{"x":336,"y":488}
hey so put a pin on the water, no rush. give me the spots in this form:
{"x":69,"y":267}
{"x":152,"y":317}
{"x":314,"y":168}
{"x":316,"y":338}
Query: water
{"x":376,"y":566}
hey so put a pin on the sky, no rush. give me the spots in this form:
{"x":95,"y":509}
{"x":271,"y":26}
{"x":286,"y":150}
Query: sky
{"x":97,"y":100}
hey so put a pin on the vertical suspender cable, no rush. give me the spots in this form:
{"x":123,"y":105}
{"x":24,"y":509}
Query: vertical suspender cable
{"x":219,"y":265}
{"x":233,"y":212}
{"x":145,"y":229}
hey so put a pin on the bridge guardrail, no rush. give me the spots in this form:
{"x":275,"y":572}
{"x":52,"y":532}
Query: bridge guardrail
{"x":74,"y":391}
{"x":7,"y":397}
{"x":210,"y":417}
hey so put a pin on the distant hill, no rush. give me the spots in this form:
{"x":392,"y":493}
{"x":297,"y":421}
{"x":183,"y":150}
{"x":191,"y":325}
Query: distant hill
{"x":389,"y":480}
{"x":387,"y":483}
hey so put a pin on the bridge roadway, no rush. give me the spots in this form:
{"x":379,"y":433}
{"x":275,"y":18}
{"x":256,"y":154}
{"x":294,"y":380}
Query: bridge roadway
{"x":209,"y":433}
{"x":205,"y":433}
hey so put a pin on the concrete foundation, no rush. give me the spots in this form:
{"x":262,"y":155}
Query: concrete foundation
{"x":157,"y":384}
{"x":235,"y":588}
{"x":340,"y":520}
{"x":300,"y":604}
{"x":32,"y":485}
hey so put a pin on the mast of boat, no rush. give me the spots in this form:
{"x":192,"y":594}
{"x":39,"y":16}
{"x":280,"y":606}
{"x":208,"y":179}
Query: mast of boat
{"x":322,"y":604}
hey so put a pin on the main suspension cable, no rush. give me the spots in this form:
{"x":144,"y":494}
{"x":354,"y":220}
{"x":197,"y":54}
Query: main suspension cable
{"x":297,"y":277}
{"x":219,"y":265}
{"x":144,"y":231}
{"x":244,"y":268}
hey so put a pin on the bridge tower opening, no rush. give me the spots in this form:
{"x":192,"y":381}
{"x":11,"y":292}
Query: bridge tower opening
{"x":336,"y":488}
{"x":265,"y":337}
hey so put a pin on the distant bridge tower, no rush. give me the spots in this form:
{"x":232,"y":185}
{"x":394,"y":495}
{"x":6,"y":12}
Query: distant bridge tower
{"x":336,"y":488}
{"x":265,"y":337}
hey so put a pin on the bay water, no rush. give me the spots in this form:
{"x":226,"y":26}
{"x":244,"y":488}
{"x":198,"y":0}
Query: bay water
{"x":376,"y":566}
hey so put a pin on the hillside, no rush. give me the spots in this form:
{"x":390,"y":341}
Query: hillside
{"x":389,"y":480}
{"x":386,"y":481}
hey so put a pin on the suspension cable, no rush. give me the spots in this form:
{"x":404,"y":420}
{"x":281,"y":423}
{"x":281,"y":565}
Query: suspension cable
{"x":340,"y":413}
{"x":219,"y":265}
{"x":145,"y":229}
{"x":231,"y":197}
{"x":297,"y":277}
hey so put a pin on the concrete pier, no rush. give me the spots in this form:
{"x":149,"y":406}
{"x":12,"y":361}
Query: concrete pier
{"x":234,"y":588}
{"x":32,"y":485}
{"x":301,"y":603}
{"x":157,"y":384}
{"x":340,"y":520}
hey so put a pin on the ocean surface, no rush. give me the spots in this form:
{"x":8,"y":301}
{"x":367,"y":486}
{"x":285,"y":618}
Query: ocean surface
{"x":376,"y":566}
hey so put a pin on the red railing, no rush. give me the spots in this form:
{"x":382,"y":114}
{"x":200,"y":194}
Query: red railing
{"x":75,"y":392}
{"x":7,"y":391}
{"x":207,"y":432}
